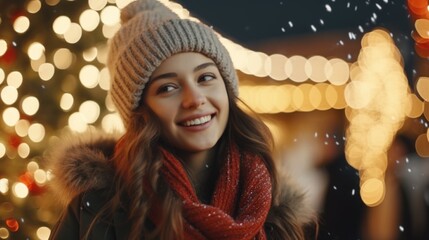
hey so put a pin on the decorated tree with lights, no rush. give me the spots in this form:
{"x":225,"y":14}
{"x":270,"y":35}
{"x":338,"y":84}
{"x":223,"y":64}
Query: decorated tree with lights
{"x":52,"y":79}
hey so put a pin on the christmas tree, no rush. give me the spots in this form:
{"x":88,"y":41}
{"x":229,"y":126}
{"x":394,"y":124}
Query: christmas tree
{"x":52,"y":79}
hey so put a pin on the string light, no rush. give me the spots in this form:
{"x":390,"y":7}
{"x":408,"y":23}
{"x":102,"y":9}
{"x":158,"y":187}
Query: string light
{"x":376,"y":110}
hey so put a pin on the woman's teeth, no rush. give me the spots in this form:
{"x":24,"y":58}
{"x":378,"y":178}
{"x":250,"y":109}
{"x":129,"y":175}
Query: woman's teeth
{"x":198,"y":121}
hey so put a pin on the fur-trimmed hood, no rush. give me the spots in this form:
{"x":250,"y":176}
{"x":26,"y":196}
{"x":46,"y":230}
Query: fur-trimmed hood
{"x":80,"y":162}
{"x":83,"y":162}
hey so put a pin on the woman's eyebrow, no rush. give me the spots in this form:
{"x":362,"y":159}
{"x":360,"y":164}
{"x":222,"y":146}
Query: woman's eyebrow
{"x":172,"y":74}
{"x":165,"y":75}
{"x":204,"y":65}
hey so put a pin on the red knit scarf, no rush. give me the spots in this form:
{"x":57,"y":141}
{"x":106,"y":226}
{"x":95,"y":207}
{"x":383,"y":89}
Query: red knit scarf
{"x":240,"y":202}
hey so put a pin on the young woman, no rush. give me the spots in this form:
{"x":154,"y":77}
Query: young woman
{"x":191,"y":164}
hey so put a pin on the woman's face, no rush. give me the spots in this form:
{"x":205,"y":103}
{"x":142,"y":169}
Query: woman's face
{"x":188,"y":95}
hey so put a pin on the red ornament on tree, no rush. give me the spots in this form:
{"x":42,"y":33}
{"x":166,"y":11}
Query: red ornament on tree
{"x":9,"y":56}
{"x":14,"y":141}
{"x":32,"y":186}
{"x":12,"y":224}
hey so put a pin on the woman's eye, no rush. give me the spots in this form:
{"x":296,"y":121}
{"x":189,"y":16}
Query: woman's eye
{"x":206,"y":77}
{"x":165,"y":88}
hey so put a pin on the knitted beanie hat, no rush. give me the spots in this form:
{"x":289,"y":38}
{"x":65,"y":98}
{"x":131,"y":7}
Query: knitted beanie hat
{"x":151,"y":33}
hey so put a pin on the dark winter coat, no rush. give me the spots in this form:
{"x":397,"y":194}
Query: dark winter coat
{"x":83,"y":171}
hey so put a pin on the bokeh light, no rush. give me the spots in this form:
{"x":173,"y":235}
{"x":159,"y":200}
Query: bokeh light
{"x":77,"y":122}
{"x":4,"y":185}
{"x":36,"y":50}
{"x":66,"y":102}
{"x":43,"y":233}
{"x":34,"y":6}
{"x":14,"y":79}
{"x":422,"y":145}
{"x":97,"y":5}
{"x":90,"y":110}
{"x":36,"y":132}
{"x":21,"y":24}
{"x":61,"y":24}
{"x":110,"y":15}
{"x":30,"y":105}
{"x":423,"y":88}
{"x":24,"y":150}
{"x":2,"y":75}
{"x":372,"y":191}
{"x":89,"y":20}
{"x":295,"y":68}
{"x":90,"y":54}
{"x":20,"y":190}
{"x":4,"y":233}
{"x":63,"y":58}
{"x":21,"y":127}
{"x":89,"y":76}
{"x":46,"y":71}
{"x":112,"y":123}
{"x":32,"y":166}
{"x":9,"y":95}
{"x":40,"y":177}
{"x":3,"y":47}
{"x":11,"y":116}
{"x":377,"y":109}
{"x":73,"y":33}
{"x":275,"y":66}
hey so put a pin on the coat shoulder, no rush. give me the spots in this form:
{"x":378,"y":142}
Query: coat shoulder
{"x":290,"y":213}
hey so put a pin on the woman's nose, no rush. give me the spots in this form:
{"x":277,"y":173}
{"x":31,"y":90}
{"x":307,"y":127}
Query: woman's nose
{"x":193,"y":97}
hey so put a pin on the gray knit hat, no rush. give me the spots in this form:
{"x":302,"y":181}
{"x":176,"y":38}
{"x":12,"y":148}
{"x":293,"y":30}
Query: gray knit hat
{"x":151,"y":33}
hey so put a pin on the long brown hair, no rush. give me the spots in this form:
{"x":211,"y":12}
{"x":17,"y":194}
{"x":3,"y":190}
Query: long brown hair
{"x":137,"y":159}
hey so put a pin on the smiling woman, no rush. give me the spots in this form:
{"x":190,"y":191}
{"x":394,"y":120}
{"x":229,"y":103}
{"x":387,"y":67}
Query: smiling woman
{"x":188,"y":95}
{"x":191,"y":163}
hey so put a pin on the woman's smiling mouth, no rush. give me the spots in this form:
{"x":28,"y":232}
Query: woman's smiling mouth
{"x":197,"y":121}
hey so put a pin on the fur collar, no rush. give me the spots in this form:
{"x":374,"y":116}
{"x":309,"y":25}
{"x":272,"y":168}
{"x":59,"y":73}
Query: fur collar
{"x":82,"y":162}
